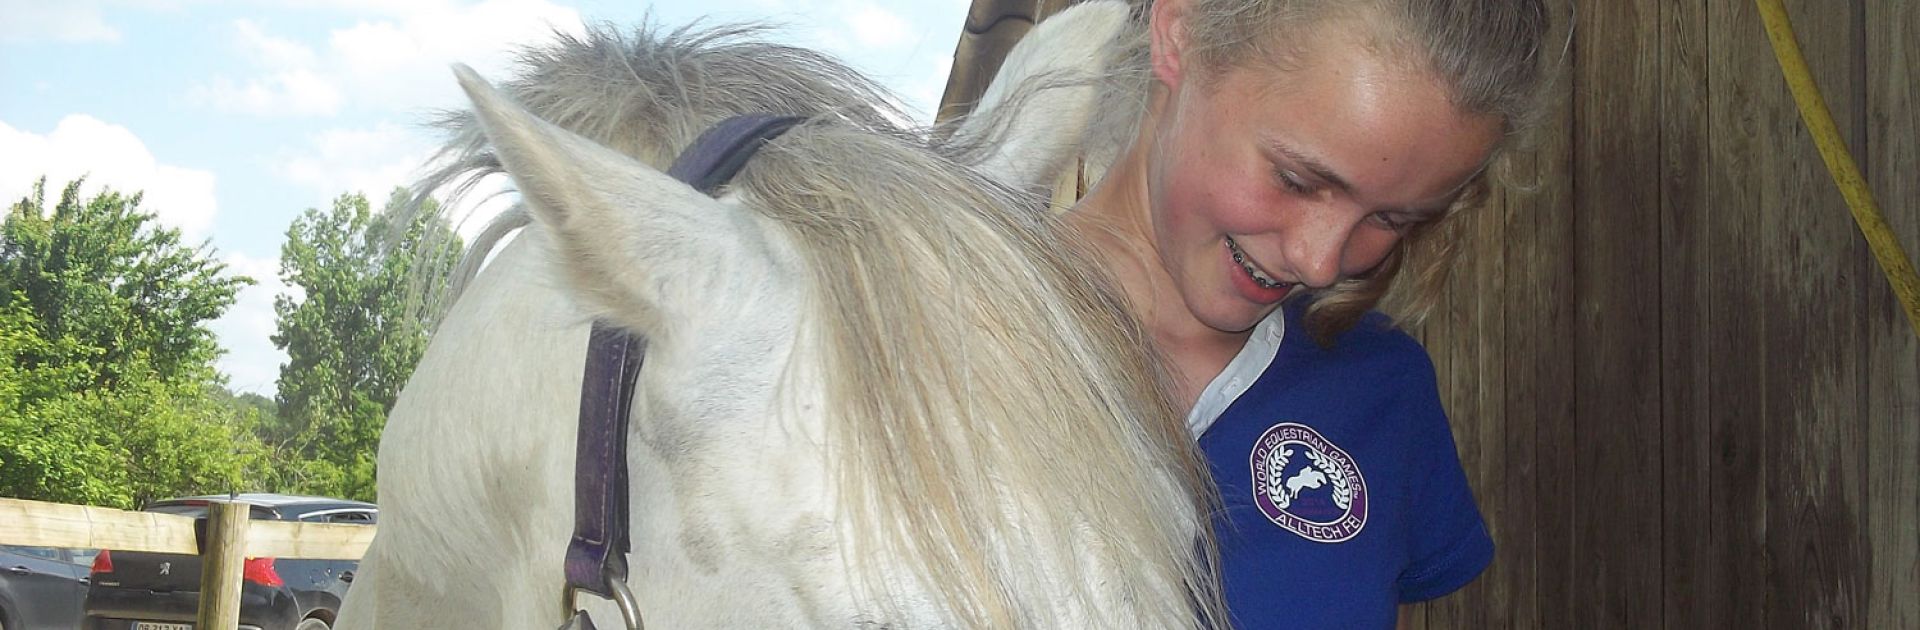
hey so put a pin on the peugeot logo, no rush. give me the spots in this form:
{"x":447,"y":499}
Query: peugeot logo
{"x":166,"y":568}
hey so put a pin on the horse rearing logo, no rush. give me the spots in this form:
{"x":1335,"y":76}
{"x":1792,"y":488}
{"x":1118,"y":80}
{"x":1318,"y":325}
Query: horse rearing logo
{"x":1304,"y":483}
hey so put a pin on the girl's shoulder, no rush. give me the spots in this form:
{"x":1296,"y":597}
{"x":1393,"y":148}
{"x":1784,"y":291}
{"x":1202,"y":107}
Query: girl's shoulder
{"x":1374,"y":344}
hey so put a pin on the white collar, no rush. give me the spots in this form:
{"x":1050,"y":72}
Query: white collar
{"x":1241,"y":372}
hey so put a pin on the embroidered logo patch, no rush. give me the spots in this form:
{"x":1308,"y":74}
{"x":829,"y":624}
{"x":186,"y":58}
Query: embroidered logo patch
{"x":1304,"y":483}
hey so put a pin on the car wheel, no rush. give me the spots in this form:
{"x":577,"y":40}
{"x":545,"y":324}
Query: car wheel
{"x":310,"y":623}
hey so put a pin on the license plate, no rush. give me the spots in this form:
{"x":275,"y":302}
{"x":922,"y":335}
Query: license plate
{"x":148,"y":625}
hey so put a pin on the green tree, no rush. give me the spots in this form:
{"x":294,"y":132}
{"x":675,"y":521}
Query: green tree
{"x":353,"y":333}
{"x":106,"y":363}
{"x":47,"y":450}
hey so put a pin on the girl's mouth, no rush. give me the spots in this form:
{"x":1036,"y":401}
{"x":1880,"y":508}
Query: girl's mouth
{"x":1246,"y":263}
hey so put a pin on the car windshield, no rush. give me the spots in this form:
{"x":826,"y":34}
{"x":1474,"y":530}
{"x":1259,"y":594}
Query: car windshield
{"x":43,"y":553}
{"x":197,"y":510}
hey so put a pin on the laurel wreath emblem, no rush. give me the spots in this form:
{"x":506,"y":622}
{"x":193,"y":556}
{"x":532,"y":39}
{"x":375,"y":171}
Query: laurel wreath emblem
{"x":1342,"y":486}
{"x":1276,"y":477}
{"x":1321,"y":466}
{"x":1342,"y":489}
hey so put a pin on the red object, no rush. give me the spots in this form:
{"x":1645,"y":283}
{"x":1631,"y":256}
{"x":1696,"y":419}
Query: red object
{"x":103,"y":563}
{"x":260,"y":571}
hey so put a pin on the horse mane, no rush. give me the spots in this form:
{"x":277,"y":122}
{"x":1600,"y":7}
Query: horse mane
{"x":928,"y":279}
{"x":645,"y":93}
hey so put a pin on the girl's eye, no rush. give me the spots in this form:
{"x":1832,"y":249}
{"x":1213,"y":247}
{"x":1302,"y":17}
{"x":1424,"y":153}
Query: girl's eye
{"x":1293,"y":182}
{"x":1391,"y":221}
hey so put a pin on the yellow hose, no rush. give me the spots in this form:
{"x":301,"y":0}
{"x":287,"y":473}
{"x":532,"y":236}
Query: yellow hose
{"x":1819,"y":120}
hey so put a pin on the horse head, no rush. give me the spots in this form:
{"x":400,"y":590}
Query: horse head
{"x":882,"y":389}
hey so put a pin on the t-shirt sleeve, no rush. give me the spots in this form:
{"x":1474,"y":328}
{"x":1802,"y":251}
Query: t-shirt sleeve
{"x":1449,"y":539}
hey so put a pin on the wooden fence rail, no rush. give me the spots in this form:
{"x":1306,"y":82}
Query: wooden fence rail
{"x":230,"y":537}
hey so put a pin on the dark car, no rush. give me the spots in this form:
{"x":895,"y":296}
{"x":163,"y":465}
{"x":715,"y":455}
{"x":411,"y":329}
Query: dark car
{"x":42,"y":587}
{"x":158,"y":591}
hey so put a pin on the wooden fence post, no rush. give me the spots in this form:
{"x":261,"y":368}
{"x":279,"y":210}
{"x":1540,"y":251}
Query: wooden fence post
{"x":223,"y":552}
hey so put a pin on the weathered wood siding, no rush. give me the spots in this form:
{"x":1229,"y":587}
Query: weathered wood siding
{"x":1685,"y":396}
{"x":1684,"y":393}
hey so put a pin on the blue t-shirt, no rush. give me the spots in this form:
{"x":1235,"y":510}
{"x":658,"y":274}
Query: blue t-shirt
{"x":1343,"y":493}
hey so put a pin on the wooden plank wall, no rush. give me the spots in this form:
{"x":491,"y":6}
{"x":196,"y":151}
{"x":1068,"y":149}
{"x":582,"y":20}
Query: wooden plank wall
{"x":1684,"y":394}
{"x":1892,"y":153}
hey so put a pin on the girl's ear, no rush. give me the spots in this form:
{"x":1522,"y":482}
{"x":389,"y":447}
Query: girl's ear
{"x":1167,"y":30}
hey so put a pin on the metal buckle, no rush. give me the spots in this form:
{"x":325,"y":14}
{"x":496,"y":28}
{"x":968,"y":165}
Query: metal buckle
{"x":622,"y":599}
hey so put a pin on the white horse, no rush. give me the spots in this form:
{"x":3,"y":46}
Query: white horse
{"x":882,"y":390}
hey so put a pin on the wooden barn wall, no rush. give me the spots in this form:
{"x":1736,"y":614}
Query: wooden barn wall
{"x":1683,"y":391}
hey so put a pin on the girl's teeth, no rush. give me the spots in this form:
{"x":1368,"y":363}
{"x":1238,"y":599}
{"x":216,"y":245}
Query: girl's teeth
{"x":1258,"y":278}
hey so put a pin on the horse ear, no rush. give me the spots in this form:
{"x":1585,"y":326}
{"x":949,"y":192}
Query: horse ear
{"x":1033,"y":114}
{"x":638,"y":245}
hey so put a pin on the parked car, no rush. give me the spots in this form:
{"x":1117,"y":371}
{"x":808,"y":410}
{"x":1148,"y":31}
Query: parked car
{"x":42,"y":587}
{"x":158,"y":591}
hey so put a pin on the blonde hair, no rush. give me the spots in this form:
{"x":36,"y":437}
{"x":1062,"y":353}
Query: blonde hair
{"x":1487,"y":53}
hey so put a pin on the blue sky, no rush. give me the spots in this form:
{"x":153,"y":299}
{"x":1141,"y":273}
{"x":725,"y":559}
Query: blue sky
{"x":235,"y":115}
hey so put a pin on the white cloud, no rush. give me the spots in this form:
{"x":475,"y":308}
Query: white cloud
{"x":404,"y":61}
{"x":291,"y":92}
{"x":251,"y":362}
{"x":43,"y":20}
{"x":369,"y":160}
{"x":268,"y":50}
{"x":394,"y":61}
{"x":851,"y":27}
{"x":109,"y":156}
{"x":376,"y":7}
{"x":875,"y":27}
{"x":291,"y":85}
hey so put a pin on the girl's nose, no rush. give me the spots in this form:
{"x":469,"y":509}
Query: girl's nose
{"x":1316,"y":245}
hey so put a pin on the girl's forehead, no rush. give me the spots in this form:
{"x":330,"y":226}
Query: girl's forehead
{"x":1387,"y":127}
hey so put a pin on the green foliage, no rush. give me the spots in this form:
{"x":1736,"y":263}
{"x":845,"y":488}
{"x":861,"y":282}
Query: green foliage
{"x":99,"y":271}
{"x":353,"y":334}
{"x":46,"y":451}
{"x":108,"y":395}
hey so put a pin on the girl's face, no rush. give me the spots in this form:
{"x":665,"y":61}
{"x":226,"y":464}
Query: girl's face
{"x":1262,"y":181}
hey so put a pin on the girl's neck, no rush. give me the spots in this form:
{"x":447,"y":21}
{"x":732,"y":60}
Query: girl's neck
{"x":1116,"y":219}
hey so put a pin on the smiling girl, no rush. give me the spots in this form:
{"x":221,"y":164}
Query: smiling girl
{"x":1289,"y":162}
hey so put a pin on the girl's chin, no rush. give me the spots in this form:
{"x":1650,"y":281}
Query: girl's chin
{"x":1235,"y":319}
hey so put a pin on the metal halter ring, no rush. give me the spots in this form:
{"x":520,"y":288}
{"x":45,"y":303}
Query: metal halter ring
{"x":622,"y":599}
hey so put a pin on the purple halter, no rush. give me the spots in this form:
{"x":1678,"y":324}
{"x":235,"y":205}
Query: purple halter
{"x":597,"y":557}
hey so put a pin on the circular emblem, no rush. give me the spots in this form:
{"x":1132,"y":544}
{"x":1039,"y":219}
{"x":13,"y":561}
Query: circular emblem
{"x":1304,"y":483}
